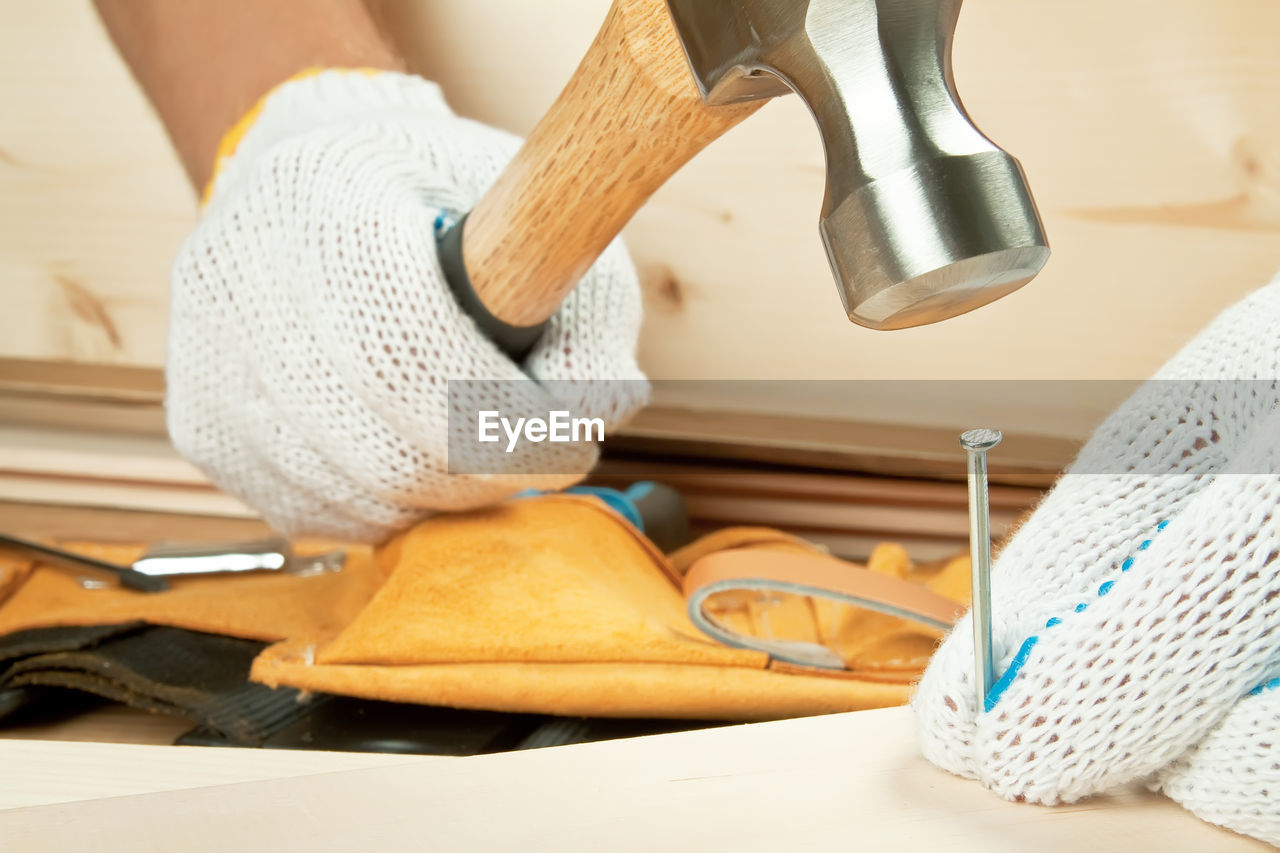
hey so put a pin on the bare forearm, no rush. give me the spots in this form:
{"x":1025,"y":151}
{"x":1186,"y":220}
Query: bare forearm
{"x":204,"y":63}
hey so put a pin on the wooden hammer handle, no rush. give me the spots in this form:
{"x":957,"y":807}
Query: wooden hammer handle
{"x":629,"y":118}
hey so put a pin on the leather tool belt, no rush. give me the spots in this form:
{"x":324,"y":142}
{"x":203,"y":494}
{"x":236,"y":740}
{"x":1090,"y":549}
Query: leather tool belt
{"x":548,"y":605}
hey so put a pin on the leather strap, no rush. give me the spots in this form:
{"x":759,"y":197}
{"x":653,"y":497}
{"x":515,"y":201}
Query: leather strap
{"x":759,"y":570}
{"x":203,"y":677}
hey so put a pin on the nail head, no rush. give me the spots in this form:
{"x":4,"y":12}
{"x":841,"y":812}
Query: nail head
{"x":980,"y":439}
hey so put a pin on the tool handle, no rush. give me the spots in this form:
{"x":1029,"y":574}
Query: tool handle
{"x":628,"y":119}
{"x":124,"y":575}
{"x":664,"y":514}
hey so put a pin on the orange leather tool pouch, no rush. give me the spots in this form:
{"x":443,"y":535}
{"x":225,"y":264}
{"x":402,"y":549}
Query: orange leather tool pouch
{"x":552,"y":604}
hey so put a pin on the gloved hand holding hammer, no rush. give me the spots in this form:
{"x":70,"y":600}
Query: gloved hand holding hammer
{"x":312,"y":332}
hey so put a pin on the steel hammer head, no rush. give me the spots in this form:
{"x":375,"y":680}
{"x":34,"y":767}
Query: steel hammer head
{"x":924,"y":217}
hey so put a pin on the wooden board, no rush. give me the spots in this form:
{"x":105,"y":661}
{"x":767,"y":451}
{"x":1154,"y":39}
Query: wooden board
{"x":1150,"y":131}
{"x":849,"y":513}
{"x":120,"y":525}
{"x":850,"y":781}
{"x":64,"y":419}
{"x":41,"y":772}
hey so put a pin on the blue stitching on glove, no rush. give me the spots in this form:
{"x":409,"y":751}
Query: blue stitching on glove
{"x":1265,"y":686}
{"x":1019,"y":660}
{"x":1024,"y":652}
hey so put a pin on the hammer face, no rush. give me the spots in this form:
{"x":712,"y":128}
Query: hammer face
{"x":929,"y":242}
{"x":924,"y":217}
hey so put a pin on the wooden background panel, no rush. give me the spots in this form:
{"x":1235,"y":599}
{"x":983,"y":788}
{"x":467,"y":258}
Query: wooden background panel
{"x":93,"y":203}
{"x":1150,"y":131}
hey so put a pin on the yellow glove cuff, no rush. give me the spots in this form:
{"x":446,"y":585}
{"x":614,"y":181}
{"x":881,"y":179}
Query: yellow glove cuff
{"x":232,"y":138}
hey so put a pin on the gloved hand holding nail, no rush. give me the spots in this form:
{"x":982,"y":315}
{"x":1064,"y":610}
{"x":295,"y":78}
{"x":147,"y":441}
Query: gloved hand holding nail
{"x":312,"y":333}
{"x":1135,"y":613}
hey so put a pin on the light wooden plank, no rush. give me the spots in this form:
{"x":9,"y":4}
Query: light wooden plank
{"x":60,"y":423}
{"x":695,"y":478}
{"x":120,"y":494}
{"x":842,"y":510}
{"x":852,"y":781}
{"x":120,"y":525}
{"x":90,"y":454}
{"x":42,"y":772}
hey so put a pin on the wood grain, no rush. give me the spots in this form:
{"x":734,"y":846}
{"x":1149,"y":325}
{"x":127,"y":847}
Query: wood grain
{"x":824,"y":783}
{"x":628,"y":119}
{"x":1152,"y":145}
{"x":909,"y":429}
{"x":846,"y":511}
{"x":103,"y":524}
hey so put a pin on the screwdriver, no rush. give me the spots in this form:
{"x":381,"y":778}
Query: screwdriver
{"x":124,"y":575}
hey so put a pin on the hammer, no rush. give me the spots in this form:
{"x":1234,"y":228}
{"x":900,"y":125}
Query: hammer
{"x":924,"y":217}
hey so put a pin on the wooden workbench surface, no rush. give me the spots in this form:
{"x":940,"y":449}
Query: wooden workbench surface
{"x":44,"y":772}
{"x":850,"y":781}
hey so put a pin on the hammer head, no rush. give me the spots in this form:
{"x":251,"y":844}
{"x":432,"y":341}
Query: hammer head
{"x":924,"y":217}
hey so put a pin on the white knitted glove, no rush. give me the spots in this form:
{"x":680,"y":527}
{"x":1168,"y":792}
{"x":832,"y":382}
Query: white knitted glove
{"x":1140,"y":604}
{"x":312,"y":333}
{"x":1232,"y":777}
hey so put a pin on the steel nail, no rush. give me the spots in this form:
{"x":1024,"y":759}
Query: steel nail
{"x":976,"y":443}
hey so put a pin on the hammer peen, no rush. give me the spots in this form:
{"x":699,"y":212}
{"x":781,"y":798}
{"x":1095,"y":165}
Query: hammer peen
{"x":924,"y":217}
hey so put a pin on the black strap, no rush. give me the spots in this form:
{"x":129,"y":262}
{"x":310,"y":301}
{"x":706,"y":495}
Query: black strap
{"x":515,"y":341}
{"x":202,"y":677}
{"x":205,"y":678}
